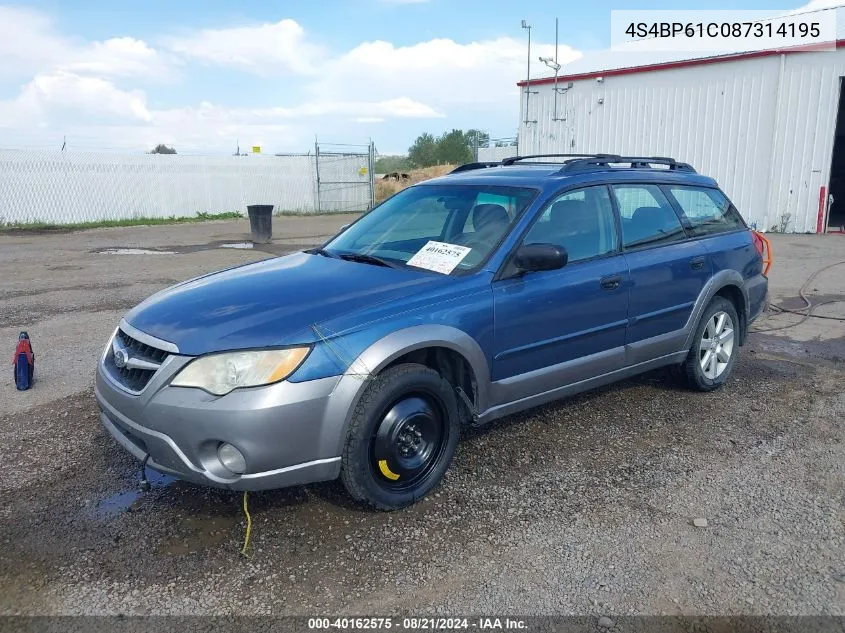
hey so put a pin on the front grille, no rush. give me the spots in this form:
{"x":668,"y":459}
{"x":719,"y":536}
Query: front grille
{"x":142,"y":364}
{"x":137,"y":348}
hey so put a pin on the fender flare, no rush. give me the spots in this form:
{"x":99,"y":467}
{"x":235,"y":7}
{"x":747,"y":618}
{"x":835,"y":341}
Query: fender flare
{"x":371,"y":361}
{"x":718,"y":281}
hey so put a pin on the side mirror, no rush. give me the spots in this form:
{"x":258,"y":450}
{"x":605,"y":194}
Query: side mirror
{"x":344,"y":227}
{"x":534,"y":257}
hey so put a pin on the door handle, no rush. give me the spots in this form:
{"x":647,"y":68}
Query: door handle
{"x":696,"y":263}
{"x":611,"y":283}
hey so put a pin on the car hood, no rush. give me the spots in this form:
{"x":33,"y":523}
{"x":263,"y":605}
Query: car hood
{"x":272,"y":302}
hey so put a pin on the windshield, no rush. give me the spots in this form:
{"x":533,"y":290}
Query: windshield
{"x":444,"y":228}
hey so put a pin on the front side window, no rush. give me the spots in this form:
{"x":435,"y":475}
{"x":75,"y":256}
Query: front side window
{"x":473,"y":217}
{"x":647,"y":216}
{"x":580,"y":221}
{"x":707,"y":210}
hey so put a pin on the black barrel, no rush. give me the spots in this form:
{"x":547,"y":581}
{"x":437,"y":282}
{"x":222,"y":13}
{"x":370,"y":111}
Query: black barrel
{"x":261,"y":222}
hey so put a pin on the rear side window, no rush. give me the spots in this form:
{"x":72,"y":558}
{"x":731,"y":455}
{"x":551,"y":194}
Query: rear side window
{"x":647,"y":216}
{"x":707,"y":210}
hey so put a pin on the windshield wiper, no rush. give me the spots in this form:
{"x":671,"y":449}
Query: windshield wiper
{"x":321,"y":251}
{"x":364,"y":258}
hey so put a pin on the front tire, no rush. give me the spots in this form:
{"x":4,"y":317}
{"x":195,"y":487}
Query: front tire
{"x":715,"y":347}
{"x":402,"y":437}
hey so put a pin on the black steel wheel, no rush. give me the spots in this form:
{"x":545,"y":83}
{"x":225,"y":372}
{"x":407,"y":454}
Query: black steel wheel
{"x":408,"y":441}
{"x":401,"y":438}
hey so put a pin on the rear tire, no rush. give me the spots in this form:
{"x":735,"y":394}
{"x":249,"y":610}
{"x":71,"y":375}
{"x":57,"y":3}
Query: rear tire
{"x":715,"y":347}
{"x":402,"y":437}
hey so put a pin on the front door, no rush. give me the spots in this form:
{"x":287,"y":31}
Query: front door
{"x":557,"y":327}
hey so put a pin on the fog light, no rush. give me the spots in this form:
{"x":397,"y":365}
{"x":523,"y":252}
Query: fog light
{"x":231,"y":458}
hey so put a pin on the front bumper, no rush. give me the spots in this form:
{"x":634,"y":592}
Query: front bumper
{"x":283,"y":430}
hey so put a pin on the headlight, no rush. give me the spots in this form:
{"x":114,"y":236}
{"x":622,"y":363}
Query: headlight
{"x":221,"y":373}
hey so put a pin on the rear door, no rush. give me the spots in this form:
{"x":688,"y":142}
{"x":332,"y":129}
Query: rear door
{"x":668,"y":270}
{"x":544,"y":320}
{"x":709,"y":215}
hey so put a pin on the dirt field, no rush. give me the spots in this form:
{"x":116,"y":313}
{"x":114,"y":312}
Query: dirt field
{"x":386,"y":187}
{"x":581,"y":507}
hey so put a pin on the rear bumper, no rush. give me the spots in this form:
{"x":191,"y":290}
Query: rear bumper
{"x":756,"y":290}
{"x":279,"y":429}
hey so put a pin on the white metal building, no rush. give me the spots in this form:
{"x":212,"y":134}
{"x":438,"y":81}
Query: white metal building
{"x":764,"y":124}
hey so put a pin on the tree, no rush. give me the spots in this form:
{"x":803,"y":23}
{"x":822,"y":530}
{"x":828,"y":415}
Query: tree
{"x":423,"y":153}
{"x":482,"y":138}
{"x":161,"y":148}
{"x":390,"y":164}
{"x":453,"y":148}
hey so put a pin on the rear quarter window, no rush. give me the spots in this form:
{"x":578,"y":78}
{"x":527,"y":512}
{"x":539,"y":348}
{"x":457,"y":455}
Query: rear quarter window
{"x":707,"y":211}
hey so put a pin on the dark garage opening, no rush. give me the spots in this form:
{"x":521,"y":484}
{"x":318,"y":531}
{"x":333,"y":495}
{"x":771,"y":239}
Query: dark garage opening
{"x":836,"y":215}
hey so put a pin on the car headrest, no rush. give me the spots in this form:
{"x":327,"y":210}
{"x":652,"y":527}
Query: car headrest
{"x":489,"y":215}
{"x":573,"y":215}
{"x":650,"y":215}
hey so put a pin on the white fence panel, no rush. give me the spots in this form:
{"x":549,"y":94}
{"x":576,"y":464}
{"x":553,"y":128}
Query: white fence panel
{"x":493,"y":154}
{"x":71,"y":187}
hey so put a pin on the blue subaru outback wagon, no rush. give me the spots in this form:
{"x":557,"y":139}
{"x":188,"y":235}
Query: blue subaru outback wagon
{"x":493,"y":289}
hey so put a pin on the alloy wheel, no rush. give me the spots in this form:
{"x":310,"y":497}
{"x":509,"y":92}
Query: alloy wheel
{"x":716,"y":346}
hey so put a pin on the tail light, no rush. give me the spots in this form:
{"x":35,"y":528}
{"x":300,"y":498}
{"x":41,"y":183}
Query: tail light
{"x":758,"y":244}
{"x":764,"y":249}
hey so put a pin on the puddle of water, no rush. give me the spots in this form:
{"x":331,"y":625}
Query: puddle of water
{"x":196,"y":533}
{"x":134,"y":251}
{"x":244,"y":245}
{"x":122,"y":501}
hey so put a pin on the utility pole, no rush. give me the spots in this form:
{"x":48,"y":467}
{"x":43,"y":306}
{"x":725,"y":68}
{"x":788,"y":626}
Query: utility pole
{"x":555,"y":65}
{"x":528,"y":90}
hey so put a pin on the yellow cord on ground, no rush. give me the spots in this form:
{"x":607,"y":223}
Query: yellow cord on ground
{"x":248,"y":526}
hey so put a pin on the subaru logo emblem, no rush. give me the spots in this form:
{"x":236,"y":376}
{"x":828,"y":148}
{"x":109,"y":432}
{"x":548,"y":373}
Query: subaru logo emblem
{"x":121,"y":357}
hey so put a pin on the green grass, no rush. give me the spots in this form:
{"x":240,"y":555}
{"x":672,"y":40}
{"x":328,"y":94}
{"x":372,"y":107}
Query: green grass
{"x":98,"y":224}
{"x":312,"y":214}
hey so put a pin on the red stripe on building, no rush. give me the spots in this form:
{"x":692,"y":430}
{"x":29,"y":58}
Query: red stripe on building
{"x":678,"y":64}
{"x":822,"y":201}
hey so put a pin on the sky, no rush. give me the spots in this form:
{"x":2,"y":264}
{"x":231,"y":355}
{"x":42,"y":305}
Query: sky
{"x":209,"y":76}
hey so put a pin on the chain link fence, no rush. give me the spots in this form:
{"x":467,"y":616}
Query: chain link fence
{"x":345,"y":178}
{"x":73,"y":187}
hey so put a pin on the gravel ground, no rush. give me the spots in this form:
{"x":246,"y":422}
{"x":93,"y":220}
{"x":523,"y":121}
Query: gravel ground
{"x":590,"y":506}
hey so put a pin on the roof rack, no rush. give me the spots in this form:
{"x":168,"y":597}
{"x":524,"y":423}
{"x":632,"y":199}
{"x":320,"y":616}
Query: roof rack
{"x":585,"y":162}
{"x":471,"y":166}
{"x":635,"y":162}
{"x":513,"y":159}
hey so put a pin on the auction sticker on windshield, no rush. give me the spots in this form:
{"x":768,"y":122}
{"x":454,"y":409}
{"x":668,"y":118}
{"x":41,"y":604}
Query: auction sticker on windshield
{"x":439,"y":257}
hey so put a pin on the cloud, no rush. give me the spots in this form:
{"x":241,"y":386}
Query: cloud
{"x":28,"y":41}
{"x":264,"y":49}
{"x":29,"y":44}
{"x":82,"y":104}
{"x":64,"y":97}
{"x":106,"y":91}
{"x":444,"y":73}
{"x":119,"y":57}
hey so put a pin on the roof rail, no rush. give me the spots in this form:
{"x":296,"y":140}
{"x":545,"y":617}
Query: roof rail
{"x":513,"y":159}
{"x":471,"y":166}
{"x":635,"y":162}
